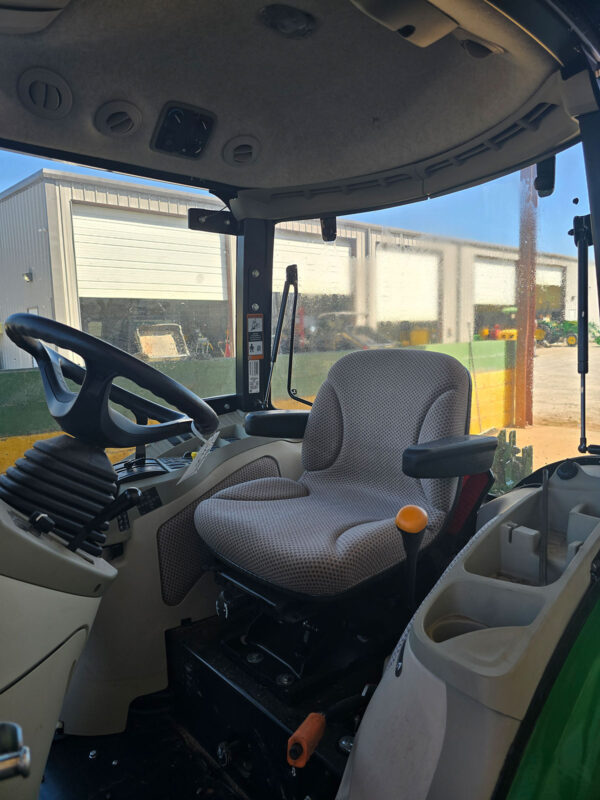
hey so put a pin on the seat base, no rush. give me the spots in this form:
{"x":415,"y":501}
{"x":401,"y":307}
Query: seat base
{"x":294,"y":645}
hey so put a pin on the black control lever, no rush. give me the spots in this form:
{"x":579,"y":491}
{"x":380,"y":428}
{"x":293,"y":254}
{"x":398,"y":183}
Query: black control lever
{"x":128,"y":499}
{"x":411,"y":521}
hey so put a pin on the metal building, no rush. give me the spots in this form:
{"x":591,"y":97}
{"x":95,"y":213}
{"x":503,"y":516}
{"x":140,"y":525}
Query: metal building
{"x":68,"y":241}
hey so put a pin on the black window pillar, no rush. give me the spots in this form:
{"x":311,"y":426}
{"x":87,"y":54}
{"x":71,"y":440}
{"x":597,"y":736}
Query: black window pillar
{"x":254,"y":277}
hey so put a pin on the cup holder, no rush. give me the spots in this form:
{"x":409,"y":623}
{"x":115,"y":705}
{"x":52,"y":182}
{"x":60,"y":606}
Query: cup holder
{"x":453,"y":625}
{"x":466,"y":607}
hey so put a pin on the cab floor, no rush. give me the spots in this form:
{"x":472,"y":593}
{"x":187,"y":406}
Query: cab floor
{"x":153,"y":759}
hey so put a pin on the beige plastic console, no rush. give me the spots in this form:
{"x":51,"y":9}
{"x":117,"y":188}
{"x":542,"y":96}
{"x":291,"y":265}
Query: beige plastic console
{"x":49,"y":597}
{"x":476,"y":652}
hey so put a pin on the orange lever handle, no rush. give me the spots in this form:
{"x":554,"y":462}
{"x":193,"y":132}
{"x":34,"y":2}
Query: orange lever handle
{"x":412,"y":519}
{"x":305,"y":740}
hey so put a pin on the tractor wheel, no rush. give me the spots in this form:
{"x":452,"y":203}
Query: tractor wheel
{"x":571,"y":339}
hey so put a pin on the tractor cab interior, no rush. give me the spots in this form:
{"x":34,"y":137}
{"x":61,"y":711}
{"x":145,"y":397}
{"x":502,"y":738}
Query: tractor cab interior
{"x":267,"y":544}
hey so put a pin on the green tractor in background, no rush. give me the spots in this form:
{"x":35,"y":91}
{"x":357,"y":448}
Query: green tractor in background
{"x":553,"y":331}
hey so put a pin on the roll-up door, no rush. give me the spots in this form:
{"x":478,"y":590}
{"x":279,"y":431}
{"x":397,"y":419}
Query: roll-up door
{"x":121,"y":253}
{"x":494,"y":283}
{"x":406,"y":286}
{"x":323,"y":267}
{"x":549,"y":276}
{"x":549,"y":290}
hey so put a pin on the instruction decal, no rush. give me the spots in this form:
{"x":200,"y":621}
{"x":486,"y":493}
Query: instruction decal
{"x":200,"y":457}
{"x":256,"y":347}
{"x":253,"y":376}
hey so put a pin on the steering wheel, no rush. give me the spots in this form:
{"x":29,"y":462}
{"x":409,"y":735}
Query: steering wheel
{"x":87,"y":415}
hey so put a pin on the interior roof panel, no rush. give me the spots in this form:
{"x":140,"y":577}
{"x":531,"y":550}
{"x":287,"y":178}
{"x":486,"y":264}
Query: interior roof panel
{"x":351,"y":116}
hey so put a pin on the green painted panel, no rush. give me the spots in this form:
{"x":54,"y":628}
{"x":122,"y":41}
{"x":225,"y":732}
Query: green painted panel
{"x":488,"y":356}
{"x":23,"y":411}
{"x":562,"y":758}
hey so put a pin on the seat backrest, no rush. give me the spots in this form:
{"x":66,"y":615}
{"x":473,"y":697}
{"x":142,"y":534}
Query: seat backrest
{"x":375,"y":403}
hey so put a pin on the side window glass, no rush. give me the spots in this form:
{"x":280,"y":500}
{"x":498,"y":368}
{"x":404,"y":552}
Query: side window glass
{"x":487,"y":275}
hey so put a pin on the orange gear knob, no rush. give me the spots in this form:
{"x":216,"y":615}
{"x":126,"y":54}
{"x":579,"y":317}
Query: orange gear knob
{"x":412,"y":519}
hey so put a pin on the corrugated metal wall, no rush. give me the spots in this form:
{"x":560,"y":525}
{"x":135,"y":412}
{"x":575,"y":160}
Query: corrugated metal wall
{"x":23,"y":249}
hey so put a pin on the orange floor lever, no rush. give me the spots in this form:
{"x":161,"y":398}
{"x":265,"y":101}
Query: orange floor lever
{"x":305,"y":740}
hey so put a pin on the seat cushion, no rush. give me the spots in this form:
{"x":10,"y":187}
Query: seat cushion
{"x":297,"y":539}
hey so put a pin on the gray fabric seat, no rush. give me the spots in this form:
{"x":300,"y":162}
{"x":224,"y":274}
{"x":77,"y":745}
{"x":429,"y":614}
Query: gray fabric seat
{"x":334,"y":528}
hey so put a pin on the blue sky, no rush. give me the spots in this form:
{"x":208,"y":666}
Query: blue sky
{"x":488,"y":213}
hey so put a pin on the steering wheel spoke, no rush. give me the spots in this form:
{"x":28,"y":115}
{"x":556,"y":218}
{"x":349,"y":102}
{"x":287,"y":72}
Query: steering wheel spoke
{"x":88,"y":415}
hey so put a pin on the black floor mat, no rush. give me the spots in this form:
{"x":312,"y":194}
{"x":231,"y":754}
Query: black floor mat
{"x":154,"y":760}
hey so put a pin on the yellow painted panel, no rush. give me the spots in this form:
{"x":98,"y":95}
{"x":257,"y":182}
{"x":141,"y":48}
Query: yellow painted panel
{"x":14,"y":447}
{"x":492,"y":400}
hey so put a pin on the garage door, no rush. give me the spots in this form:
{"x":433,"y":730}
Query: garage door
{"x":494,"y":283}
{"x":323,"y":267}
{"x":131,"y":254}
{"x":406,"y":286}
{"x":549,"y":276}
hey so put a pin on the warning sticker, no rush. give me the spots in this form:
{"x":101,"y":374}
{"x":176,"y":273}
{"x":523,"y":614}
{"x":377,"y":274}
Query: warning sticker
{"x":255,"y":323}
{"x":253,"y":377}
{"x":256,"y":348}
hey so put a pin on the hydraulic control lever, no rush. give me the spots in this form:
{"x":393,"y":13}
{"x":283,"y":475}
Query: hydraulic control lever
{"x":305,"y":739}
{"x":411,"y":521}
{"x":128,"y":499}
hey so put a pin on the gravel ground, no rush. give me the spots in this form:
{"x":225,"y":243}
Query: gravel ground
{"x":556,"y":386}
{"x":555,"y":432}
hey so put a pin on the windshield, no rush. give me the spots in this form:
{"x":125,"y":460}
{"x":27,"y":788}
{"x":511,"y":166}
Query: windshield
{"x":473,"y":274}
{"x":113,"y":256}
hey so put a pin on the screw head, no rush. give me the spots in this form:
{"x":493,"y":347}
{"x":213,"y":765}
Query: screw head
{"x":284,"y":679}
{"x":92,"y":754}
{"x":254,"y":657}
{"x":255,"y":307}
{"x":255,"y":273}
{"x":223,"y":754}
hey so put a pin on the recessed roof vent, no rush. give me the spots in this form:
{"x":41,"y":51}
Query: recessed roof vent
{"x":118,"y":118}
{"x":45,"y":93}
{"x":241,"y":151}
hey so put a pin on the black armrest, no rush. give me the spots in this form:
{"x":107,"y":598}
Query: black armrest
{"x":278,"y":424}
{"x":450,"y":458}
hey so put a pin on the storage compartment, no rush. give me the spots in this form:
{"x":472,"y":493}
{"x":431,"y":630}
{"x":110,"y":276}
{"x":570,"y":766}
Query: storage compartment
{"x":512,"y":552}
{"x":469,"y":606}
